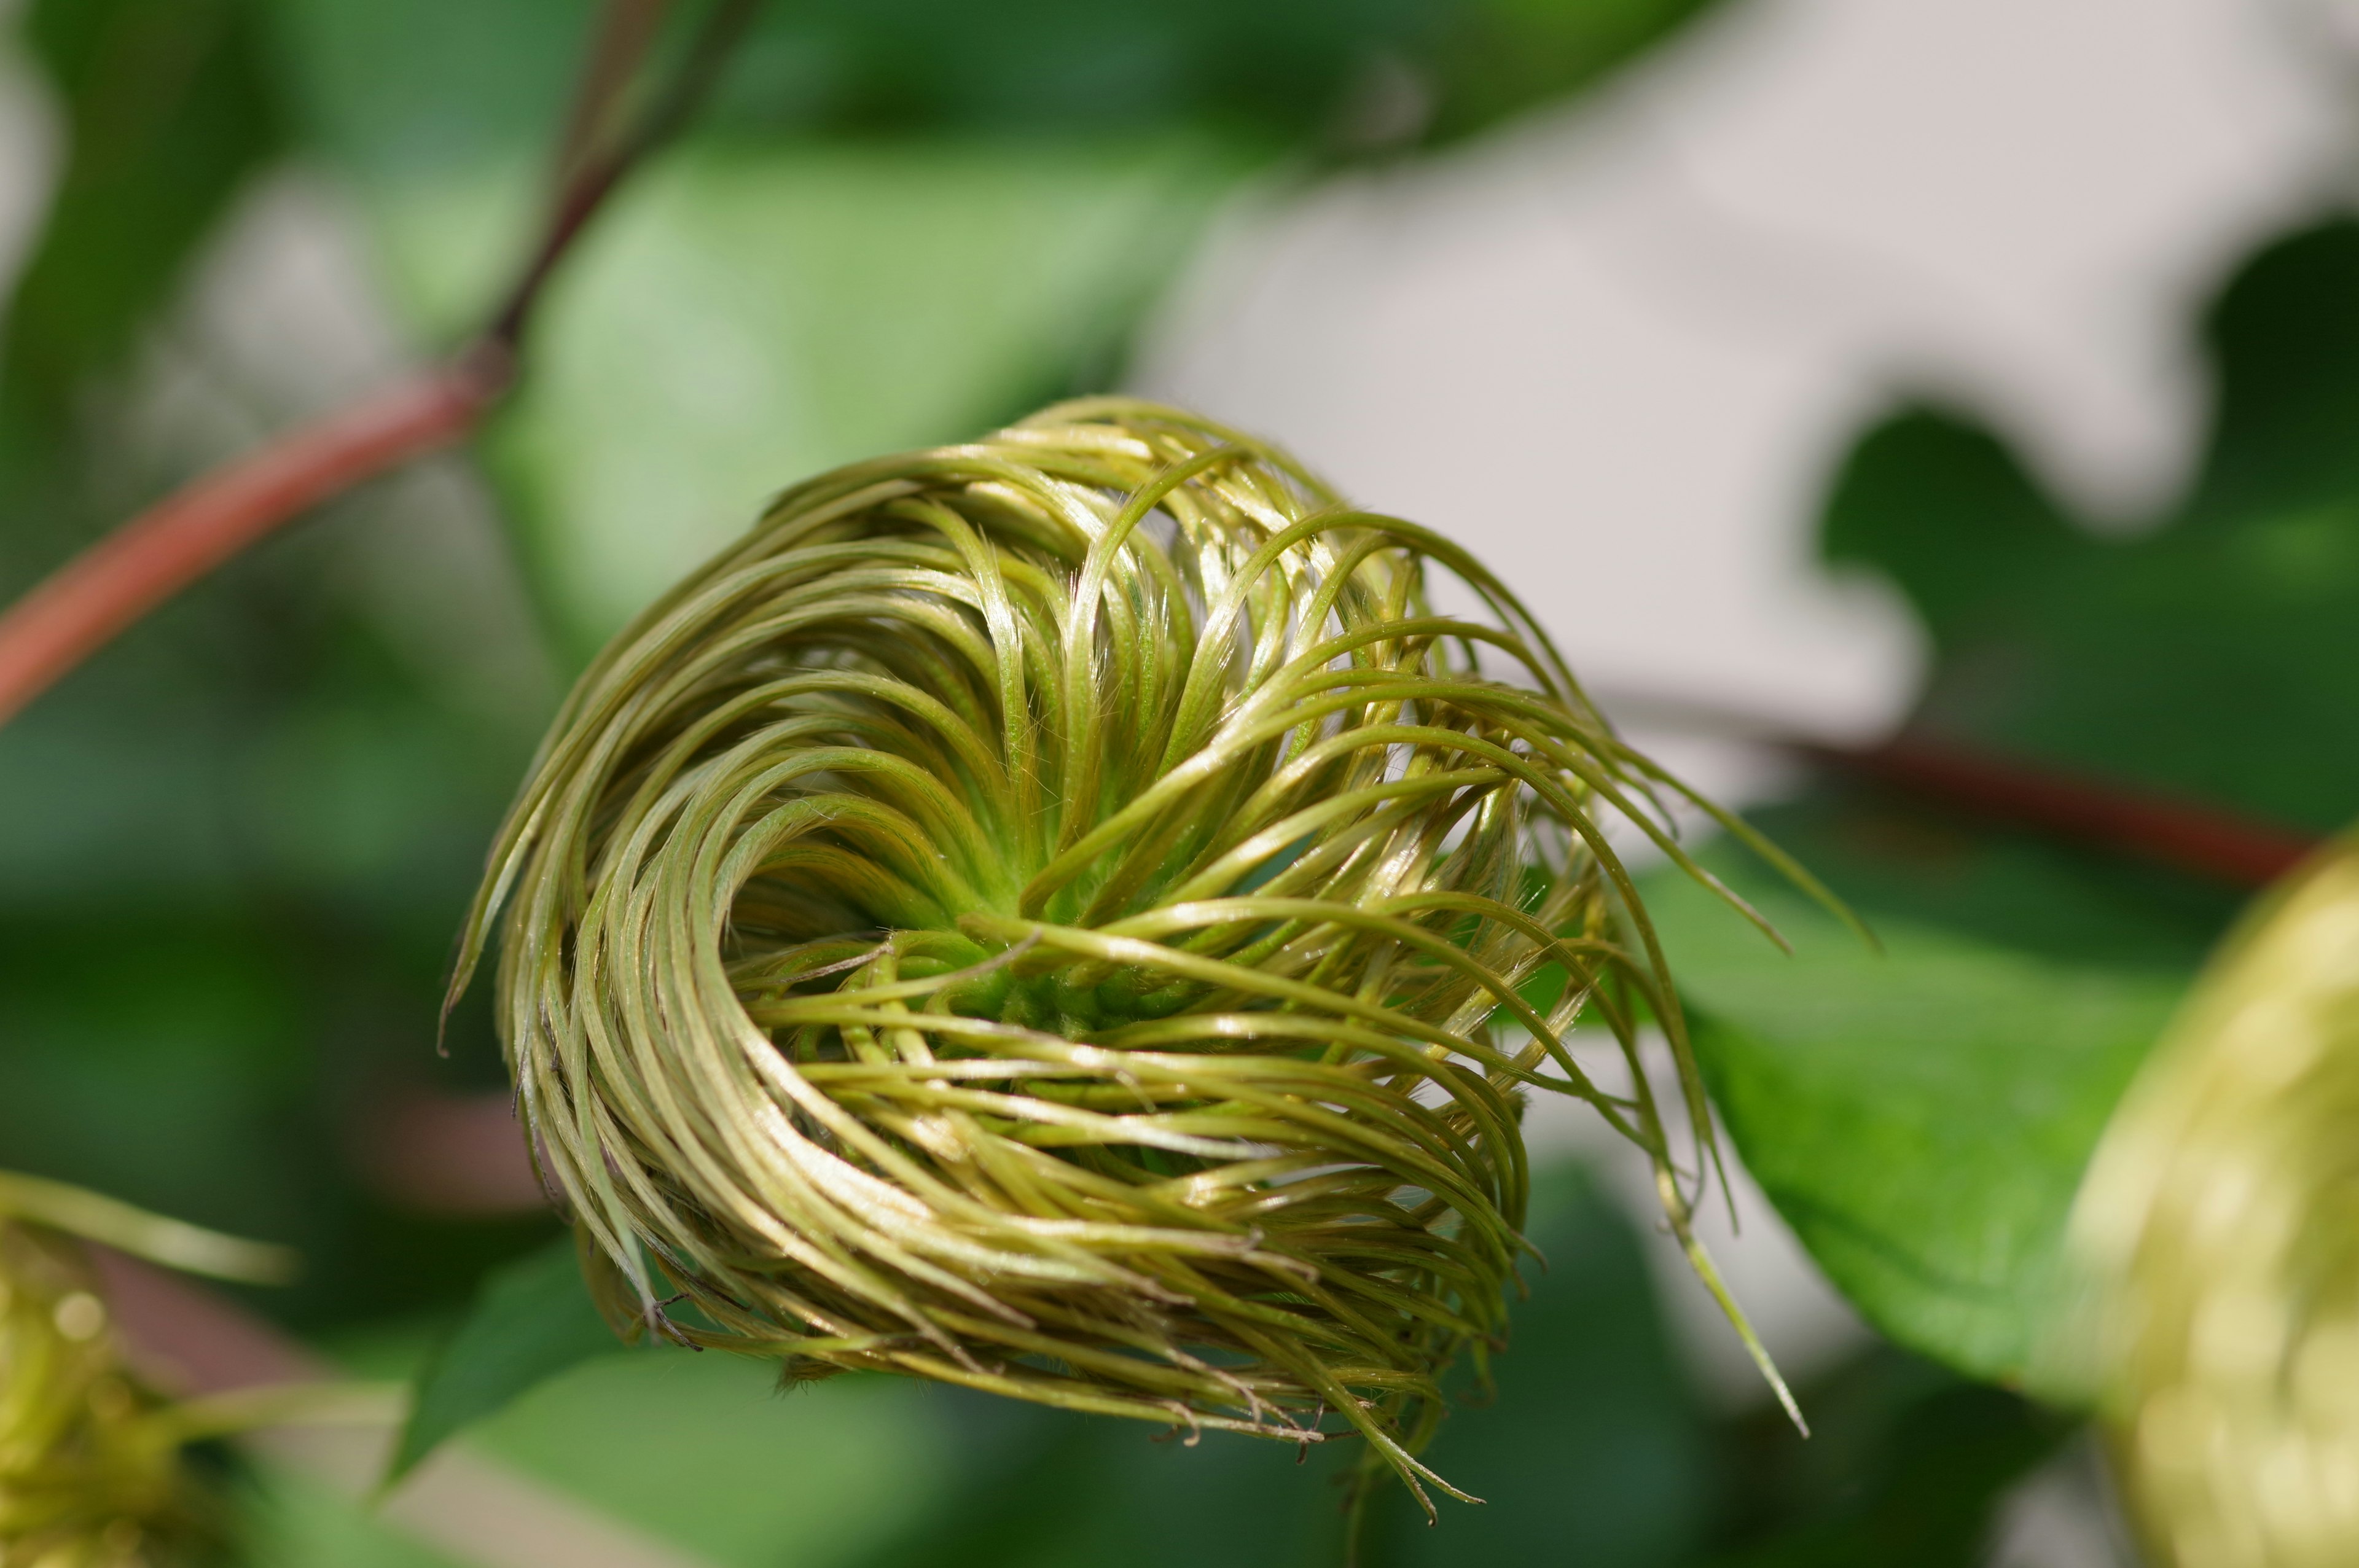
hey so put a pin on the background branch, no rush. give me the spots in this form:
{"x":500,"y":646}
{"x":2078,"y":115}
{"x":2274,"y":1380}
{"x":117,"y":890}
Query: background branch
{"x":2186,"y":834}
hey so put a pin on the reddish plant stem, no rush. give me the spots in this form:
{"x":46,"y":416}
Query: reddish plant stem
{"x":2186,"y":834}
{"x":143,"y":563}
{"x":2192,"y":836}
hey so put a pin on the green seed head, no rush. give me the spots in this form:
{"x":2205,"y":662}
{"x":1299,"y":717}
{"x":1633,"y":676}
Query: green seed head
{"x":92,"y":1472}
{"x":90,"y":1464}
{"x":2221,"y":1216}
{"x":1067,"y":916}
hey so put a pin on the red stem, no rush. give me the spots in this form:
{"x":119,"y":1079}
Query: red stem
{"x":2188,"y":835}
{"x":131,"y":571}
{"x":122,"y":577}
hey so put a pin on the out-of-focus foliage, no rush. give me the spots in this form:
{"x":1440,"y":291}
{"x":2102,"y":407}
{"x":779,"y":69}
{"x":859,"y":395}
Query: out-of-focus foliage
{"x":1903,"y":1465}
{"x":901,"y":224}
{"x":233,"y":849}
{"x":532,"y":1320}
{"x":2212,"y":654}
{"x":168,"y":108}
{"x":1847,"y":1077}
{"x":1923,"y":1120}
{"x":753,"y":314}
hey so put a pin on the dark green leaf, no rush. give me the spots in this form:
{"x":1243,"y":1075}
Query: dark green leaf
{"x":532,"y":1320}
{"x":1977,"y":527}
{"x":2285,"y":338}
{"x":1497,"y":59}
{"x":748,"y":317}
{"x":167,"y":107}
{"x":1338,"y":76}
{"x":2216,"y":655}
{"x":1906,"y":1463}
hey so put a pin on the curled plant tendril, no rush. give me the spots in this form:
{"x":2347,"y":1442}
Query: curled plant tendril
{"x":2222,"y":1215}
{"x":1066,"y":915}
{"x":90,"y":1470}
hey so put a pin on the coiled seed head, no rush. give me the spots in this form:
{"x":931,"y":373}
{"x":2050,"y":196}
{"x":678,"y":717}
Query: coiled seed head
{"x":1068,"y":915}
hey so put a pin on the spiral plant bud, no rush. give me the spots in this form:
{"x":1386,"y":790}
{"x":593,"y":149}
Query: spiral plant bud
{"x":1066,"y":915}
{"x":2221,"y":1213}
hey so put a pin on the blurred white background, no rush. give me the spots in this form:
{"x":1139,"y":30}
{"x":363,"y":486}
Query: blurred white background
{"x":1616,"y":352}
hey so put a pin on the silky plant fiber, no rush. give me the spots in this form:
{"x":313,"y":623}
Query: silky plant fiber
{"x":2221,"y":1218}
{"x":1066,"y":915}
{"x":91,"y":1459}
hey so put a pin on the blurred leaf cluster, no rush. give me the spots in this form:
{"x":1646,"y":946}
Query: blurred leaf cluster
{"x":1922,"y":1119}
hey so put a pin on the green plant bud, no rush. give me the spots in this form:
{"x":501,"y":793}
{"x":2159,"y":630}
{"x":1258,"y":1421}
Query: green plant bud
{"x":2222,"y":1215}
{"x":1067,"y":916}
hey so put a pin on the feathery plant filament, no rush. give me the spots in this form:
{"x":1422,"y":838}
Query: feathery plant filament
{"x":1066,"y":915}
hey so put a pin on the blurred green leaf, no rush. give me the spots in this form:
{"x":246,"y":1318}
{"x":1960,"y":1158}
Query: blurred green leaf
{"x":1906,"y":1463}
{"x":1497,"y":59}
{"x":704,"y":1451}
{"x":442,"y":116}
{"x":1919,"y":1116}
{"x":167,"y":107}
{"x":532,"y":1320}
{"x":2216,"y":653}
{"x":1922,"y":1117}
{"x":746,"y":318}
{"x":286,"y":1518}
{"x":1326,"y":77}
{"x":2285,"y":341}
{"x":898,"y":223}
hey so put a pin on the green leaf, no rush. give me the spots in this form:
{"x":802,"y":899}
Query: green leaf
{"x":2285,"y":341}
{"x":532,"y":1320}
{"x":1921,"y":1114}
{"x":1497,"y":59}
{"x":1922,"y":1117}
{"x":442,"y":116}
{"x":167,"y":107}
{"x":2211,"y":656}
{"x":1906,"y":1463}
{"x":744,"y":319}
